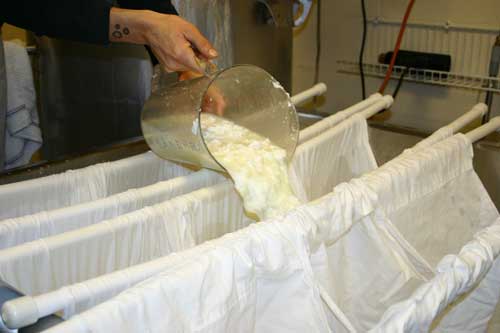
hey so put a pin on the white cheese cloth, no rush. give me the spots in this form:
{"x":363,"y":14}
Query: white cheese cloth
{"x":41,"y":258}
{"x":437,"y":209}
{"x":458,"y":274}
{"x":255,"y":280}
{"x":83,"y":185}
{"x":360,"y":262}
{"x":27,"y":228}
{"x":50,"y":263}
{"x":336,"y":155}
{"x":351,"y":133}
{"x":431,"y":201}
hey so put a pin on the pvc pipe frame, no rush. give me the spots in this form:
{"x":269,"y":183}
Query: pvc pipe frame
{"x":384,"y":103}
{"x":316,"y":90}
{"x":476,"y":112}
{"x":479,"y":133}
{"x":365,"y":104}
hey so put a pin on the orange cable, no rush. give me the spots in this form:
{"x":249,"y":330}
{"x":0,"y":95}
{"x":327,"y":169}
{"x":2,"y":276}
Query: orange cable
{"x":396,"y":48}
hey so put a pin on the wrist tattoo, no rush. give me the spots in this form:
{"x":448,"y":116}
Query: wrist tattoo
{"x":119,"y":31}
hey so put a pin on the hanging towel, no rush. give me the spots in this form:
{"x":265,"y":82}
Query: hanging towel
{"x":83,"y":185}
{"x":3,"y":103}
{"x":23,"y":136}
{"x":27,"y":228}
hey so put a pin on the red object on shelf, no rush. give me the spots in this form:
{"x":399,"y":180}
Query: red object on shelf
{"x":398,"y":45}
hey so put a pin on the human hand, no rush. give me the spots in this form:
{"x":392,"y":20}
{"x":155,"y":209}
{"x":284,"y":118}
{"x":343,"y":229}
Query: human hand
{"x":213,"y":101}
{"x":176,"y":43}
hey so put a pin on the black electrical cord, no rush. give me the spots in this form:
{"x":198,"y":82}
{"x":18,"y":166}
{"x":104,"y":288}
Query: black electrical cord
{"x":318,"y":44}
{"x":400,"y":83}
{"x":362,"y":51}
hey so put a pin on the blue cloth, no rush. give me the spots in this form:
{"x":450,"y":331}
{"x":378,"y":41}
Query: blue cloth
{"x":23,"y":136}
{"x":3,"y":103}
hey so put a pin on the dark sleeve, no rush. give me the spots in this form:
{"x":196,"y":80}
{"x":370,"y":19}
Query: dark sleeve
{"x":79,"y":20}
{"x":160,"y":6}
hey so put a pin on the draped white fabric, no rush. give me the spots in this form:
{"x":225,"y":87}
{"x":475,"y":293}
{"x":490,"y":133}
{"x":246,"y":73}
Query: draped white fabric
{"x":446,"y":205}
{"x":360,"y":263}
{"x":84,"y":185}
{"x":254,"y":280}
{"x":57,"y":236}
{"x":335,"y":155}
{"x":429,"y":204}
{"x":457,"y":274}
{"x":50,"y":263}
{"x":27,"y":228}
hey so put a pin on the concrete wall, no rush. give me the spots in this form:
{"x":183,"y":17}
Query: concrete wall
{"x":418,"y":106}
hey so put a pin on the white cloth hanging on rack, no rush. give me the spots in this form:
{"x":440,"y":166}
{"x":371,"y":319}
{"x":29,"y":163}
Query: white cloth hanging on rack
{"x":156,"y":303}
{"x":445,"y":189}
{"x":451,"y":208}
{"x":365,"y":269}
{"x":345,"y":163}
{"x":336,"y":155}
{"x":457,"y":275}
{"x":144,"y":307}
{"x":76,"y":186}
{"x":352,"y":133}
{"x":349,"y":219}
{"x":27,"y":228}
{"x":183,"y":222}
{"x":405,"y":184}
{"x":254,"y":280}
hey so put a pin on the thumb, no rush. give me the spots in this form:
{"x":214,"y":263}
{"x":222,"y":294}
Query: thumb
{"x":206,"y":49}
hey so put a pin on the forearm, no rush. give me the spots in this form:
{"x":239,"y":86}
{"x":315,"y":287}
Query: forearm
{"x":129,"y":26}
{"x":175,"y":42}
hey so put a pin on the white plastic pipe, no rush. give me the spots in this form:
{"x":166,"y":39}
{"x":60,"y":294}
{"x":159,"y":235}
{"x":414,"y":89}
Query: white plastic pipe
{"x":477,"y":134}
{"x":476,"y":112}
{"x":371,"y":100}
{"x":328,"y":122}
{"x":27,"y":310}
{"x":384,"y":103}
{"x":316,"y":90}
